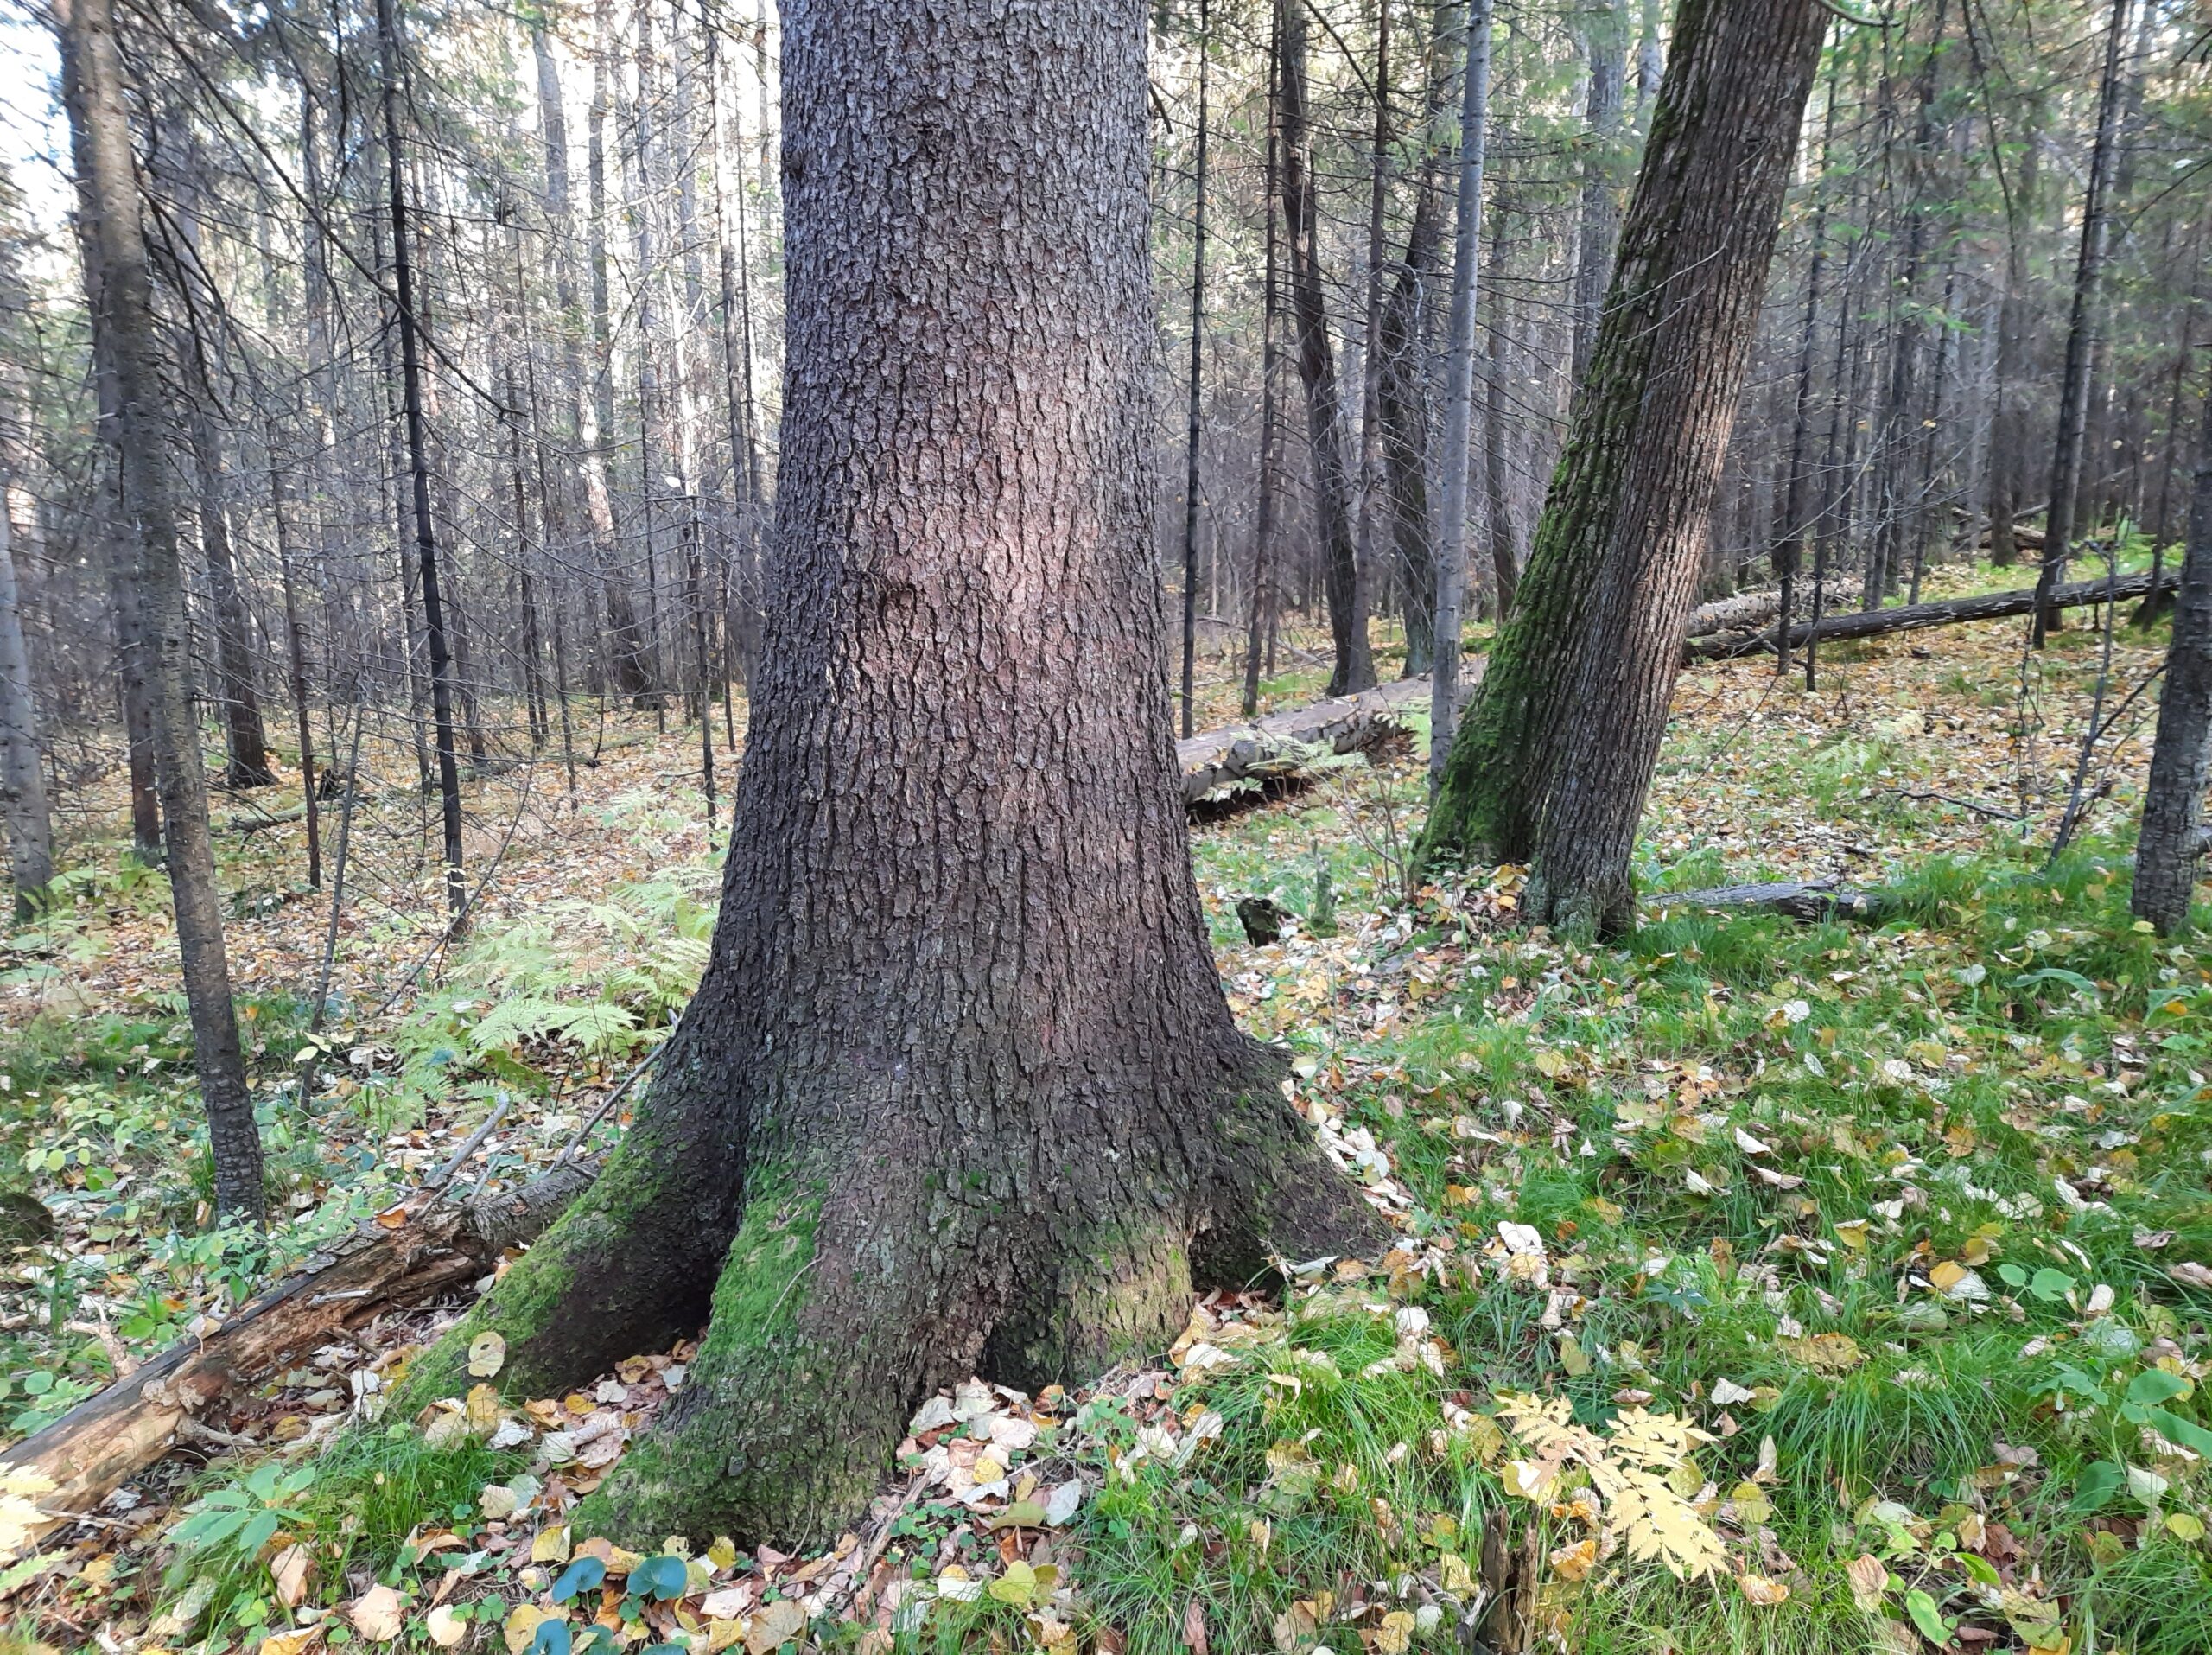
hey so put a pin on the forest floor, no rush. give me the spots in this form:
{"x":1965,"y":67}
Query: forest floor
{"x":1801,"y":1287}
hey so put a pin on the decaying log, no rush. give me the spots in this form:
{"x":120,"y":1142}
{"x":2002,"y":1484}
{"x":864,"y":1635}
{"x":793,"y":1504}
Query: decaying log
{"x":1912,"y":617}
{"x":1733,"y":615}
{"x":1277,"y":745}
{"x":398,"y":1260}
{"x":1796,"y":899}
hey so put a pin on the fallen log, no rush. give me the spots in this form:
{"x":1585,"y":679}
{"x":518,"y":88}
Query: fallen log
{"x":1812,"y":899}
{"x":1912,"y":617}
{"x":390,"y":1263}
{"x":1733,"y":615}
{"x":1283,"y":744}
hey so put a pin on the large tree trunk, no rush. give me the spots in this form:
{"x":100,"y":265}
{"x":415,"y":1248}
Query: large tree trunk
{"x":2172,"y":843}
{"x":959,"y":1089}
{"x":1354,"y":667}
{"x":1555,"y":755}
{"x":119,"y":285}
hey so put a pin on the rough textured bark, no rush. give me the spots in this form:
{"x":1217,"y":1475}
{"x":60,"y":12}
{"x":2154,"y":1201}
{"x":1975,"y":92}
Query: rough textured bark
{"x":959,"y":1089}
{"x":22,"y":770}
{"x":120,"y":292}
{"x":1555,"y":755}
{"x":2172,"y":843}
{"x":1354,"y":667}
{"x":2083,"y":325}
{"x":1460,"y":389}
{"x":133,"y":682}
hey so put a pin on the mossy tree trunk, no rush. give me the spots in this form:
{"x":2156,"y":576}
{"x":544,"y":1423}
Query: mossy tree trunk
{"x":1553,"y":759}
{"x":959,"y":1091}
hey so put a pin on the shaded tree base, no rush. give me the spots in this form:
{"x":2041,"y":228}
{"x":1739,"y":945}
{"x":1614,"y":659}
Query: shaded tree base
{"x":853,"y":1288}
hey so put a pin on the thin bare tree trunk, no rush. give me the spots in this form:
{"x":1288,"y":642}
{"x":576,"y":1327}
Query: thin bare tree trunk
{"x":2084,"y":325}
{"x":121,"y":293}
{"x":1197,"y":387}
{"x":23,"y":769}
{"x":1354,"y":667}
{"x":426,"y":540}
{"x":2172,"y":843}
{"x":1263,"y":531}
{"x":1459,"y":390}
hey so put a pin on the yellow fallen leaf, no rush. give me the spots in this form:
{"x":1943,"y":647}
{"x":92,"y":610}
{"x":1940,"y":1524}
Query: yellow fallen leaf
{"x":288,"y":1642}
{"x":1946,"y":1275}
{"x":552,"y":1546}
{"x":446,"y":1627}
{"x":1824,"y":1352}
{"x":523,"y":1622}
{"x":1395,"y":1635}
{"x":775,"y":1626}
{"x":482,"y":1410}
{"x":1575,"y":1563}
{"x":487,"y":1354}
{"x":1758,"y":1589}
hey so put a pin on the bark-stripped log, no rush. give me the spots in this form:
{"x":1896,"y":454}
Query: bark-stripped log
{"x":1912,"y":617}
{"x":439,"y":1247}
{"x":1794,"y":900}
{"x":1277,"y":747}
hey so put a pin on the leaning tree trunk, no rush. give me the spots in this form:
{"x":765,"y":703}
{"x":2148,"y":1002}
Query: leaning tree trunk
{"x":951,"y":1097}
{"x":2172,"y":843}
{"x":119,"y":285}
{"x":1557,"y":753}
